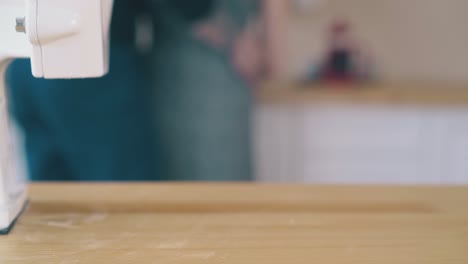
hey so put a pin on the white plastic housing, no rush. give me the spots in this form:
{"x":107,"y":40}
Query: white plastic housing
{"x":65,"y":39}
{"x":68,"y":37}
{"x":12,"y":172}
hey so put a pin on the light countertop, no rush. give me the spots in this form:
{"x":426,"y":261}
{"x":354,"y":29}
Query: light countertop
{"x":396,"y":94}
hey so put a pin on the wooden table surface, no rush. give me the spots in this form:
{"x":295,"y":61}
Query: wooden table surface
{"x":239,"y":223}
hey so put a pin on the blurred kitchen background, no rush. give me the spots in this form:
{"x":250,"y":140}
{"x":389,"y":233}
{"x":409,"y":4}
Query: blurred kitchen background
{"x":403,"y":121}
{"x":303,"y":91}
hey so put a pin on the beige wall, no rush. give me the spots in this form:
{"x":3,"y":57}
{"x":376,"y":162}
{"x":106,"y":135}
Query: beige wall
{"x":410,"y":40}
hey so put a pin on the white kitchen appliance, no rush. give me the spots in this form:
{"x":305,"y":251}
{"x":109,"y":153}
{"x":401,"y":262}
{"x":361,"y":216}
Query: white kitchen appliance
{"x":64,"y":39}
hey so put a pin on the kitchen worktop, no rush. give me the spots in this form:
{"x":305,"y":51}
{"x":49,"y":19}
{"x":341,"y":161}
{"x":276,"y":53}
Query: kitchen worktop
{"x":239,"y":223}
{"x":372,"y":93}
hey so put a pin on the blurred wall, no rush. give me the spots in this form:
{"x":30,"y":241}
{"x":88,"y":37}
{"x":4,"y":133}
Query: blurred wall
{"x":410,"y":40}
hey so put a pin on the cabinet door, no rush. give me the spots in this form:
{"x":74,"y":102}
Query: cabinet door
{"x":363,"y":144}
{"x":454,"y":147}
{"x":277,"y":139}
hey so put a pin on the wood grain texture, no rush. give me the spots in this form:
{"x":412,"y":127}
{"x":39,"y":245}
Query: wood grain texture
{"x":393,"y":94}
{"x":239,"y":223}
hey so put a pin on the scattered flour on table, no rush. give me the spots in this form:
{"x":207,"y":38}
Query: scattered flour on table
{"x":95,"y":218}
{"x":172,"y":245}
{"x":200,"y":255}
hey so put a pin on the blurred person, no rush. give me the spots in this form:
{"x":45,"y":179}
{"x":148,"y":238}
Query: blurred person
{"x":90,"y":129}
{"x":202,"y":100}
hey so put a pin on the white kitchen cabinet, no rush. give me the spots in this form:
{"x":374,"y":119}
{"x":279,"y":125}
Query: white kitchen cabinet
{"x":361,"y":143}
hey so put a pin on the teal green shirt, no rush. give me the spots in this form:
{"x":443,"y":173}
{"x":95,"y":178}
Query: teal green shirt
{"x":202,"y":111}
